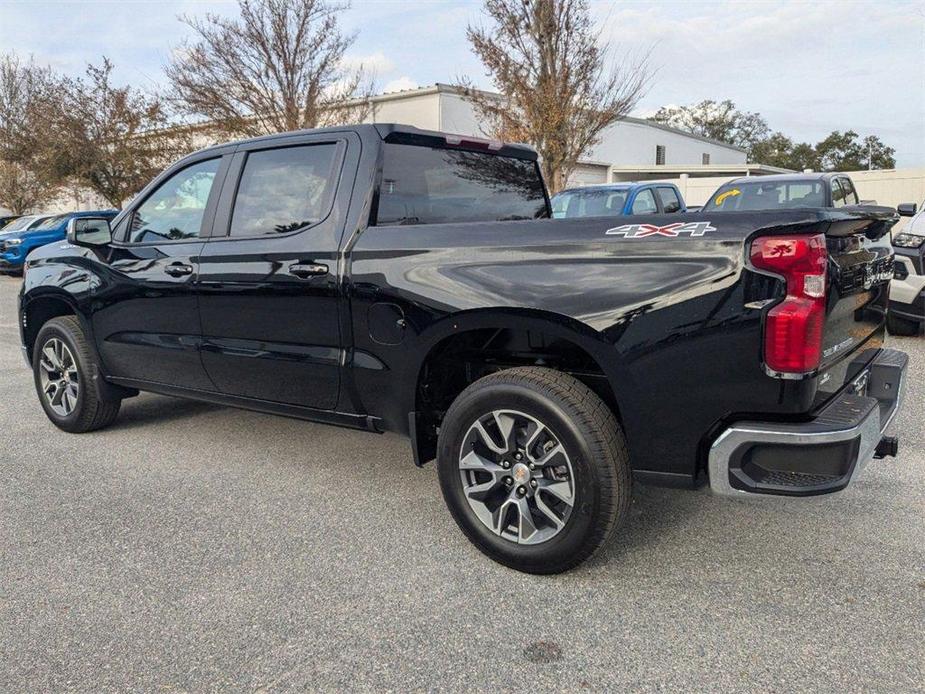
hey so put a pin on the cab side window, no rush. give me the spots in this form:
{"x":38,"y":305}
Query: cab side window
{"x":670,"y":200}
{"x":838,"y":194}
{"x":851,"y":196}
{"x":644,"y":202}
{"x":174,"y":211}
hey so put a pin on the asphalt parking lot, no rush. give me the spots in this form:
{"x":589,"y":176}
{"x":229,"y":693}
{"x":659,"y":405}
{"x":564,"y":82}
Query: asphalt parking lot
{"x":192,"y":547}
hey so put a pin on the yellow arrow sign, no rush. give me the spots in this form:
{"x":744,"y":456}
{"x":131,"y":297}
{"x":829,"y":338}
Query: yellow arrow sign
{"x":728,"y":194}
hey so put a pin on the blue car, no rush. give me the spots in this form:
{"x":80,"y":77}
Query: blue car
{"x":618,"y":199}
{"x":26,"y":233}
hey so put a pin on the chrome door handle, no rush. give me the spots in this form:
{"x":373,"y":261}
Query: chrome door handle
{"x":305,"y":270}
{"x":178,"y":270}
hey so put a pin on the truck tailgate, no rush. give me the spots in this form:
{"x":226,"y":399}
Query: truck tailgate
{"x":860,"y":260}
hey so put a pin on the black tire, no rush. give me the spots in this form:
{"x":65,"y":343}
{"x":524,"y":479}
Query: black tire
{"x":592,"y":439}
{"x":90,"y":412}
{"x":897,"y":325}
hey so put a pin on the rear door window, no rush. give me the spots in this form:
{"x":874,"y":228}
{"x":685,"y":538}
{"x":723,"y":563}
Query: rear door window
{"x":838,"y":194}
{"x":670,"y":200}
{"x":644,"y":202}
{"x":284,"y":189}
{"x":851,"y":196}
{"x":431,"y":185}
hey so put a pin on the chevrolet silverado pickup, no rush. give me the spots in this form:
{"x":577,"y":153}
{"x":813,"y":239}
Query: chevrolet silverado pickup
{"x":391,"y":279}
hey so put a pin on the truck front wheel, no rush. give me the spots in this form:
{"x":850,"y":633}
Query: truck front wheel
{"x":61,"y":361}
{"x":534,"y":469}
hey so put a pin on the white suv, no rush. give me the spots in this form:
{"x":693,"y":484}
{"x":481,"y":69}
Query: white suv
{"x":907,"y":291}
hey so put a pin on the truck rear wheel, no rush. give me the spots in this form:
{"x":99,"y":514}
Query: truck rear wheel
{"x":61,"y":361}
{"x":534,"y":469}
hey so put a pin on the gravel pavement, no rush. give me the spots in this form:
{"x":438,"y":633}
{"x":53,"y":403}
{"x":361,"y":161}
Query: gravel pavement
{"x":193,"y":547}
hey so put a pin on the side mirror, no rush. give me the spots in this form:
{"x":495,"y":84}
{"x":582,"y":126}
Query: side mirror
{"x":89,"y":231}
{"x":907,"y":209}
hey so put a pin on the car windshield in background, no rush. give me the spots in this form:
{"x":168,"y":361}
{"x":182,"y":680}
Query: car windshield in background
{"x":768,"y":196}
{"x":589,"y":203}
{"x":429,"y":185}
{"x":21,"y":224}
{"x":50,"y":223}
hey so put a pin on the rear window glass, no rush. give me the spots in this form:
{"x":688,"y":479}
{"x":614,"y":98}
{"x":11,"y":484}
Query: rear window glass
{"x":429,"y":185}
{"x":768,"y":196}
{"x":589,"y":203}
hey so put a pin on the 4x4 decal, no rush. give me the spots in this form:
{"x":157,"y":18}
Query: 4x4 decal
{"x":638,"y":231}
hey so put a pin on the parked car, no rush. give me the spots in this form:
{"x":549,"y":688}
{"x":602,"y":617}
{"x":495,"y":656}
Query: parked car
{"x":907,"y":290}
{"x":617,"y":199}
{"x":6,"y":219}
{"x":15,"y":245}
{"x":784,"y":192}
{"x":387,"y":278}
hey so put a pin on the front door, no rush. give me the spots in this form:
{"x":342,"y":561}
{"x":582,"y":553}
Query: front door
{"x":269,"y":296}
{"x":146,"y":323}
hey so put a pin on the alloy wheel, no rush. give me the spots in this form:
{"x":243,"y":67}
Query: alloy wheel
{"x":517,"y":477}
{"x":59,"y":377}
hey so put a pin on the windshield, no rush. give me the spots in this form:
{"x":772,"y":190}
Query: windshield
{"x":50,"y":222}
{"x":21,"y":223}
{"x":768,"y":196}
{"x":589,"y":203}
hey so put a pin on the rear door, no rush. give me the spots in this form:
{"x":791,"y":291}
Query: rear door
{"x":146,"y":322}
{"x":268,"y":280}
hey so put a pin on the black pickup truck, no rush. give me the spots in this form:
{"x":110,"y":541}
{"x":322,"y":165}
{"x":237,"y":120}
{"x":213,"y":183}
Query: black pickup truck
{"x":391,"y":279}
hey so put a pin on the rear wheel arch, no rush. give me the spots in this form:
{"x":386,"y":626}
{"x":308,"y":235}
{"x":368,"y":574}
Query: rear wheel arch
{"x":463,"y":348}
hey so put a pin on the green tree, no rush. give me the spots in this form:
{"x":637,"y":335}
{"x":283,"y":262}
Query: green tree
{"x":718,"y":120}
{"x":779,"y":150}
{"x":840,"y":151}
{"x":876,"y":154}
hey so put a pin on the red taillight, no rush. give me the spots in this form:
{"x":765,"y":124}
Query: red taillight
{"x":793,"y":328}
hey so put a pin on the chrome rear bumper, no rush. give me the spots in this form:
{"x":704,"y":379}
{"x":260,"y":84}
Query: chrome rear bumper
{"x":809,"y":458}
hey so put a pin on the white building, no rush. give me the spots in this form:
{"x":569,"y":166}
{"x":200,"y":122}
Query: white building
{"x":631,"y":149}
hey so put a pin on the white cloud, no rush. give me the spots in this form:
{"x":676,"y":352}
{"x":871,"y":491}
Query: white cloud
{"x":375,"y":63}
{"x":402,"y":83}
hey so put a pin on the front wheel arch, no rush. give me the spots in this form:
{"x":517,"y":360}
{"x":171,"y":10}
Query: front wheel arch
{"x":37,"y":311}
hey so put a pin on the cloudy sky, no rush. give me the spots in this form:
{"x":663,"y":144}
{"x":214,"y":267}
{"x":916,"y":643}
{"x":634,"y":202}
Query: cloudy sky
{"x":808,"y":67}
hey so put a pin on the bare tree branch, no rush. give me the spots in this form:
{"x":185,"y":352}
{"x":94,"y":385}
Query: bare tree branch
{"x":559,"y":87}
{"x":278,"y":67}
{"x":25,"y":90}
{"x":111,"y":139}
